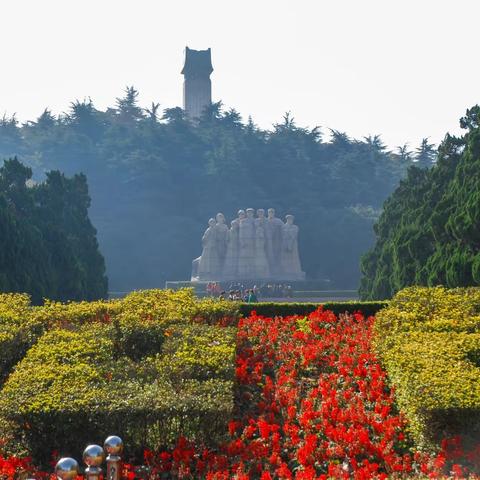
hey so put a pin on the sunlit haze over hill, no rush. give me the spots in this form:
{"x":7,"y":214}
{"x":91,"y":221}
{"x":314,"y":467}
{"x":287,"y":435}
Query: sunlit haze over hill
{"x":371,"y":67}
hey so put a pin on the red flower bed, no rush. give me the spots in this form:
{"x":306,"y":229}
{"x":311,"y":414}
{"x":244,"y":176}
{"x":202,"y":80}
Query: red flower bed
{"x":312,"y":403}
{"x":14,"y":467}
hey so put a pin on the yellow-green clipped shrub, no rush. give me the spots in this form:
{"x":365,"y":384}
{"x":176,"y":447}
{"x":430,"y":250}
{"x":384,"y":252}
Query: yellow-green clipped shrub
{"x":87,"y":381}
{"x":197,"y":351}
{"x":21,"y":324}
{"x":151,"y":366}
{"x":429,"y":342}
{"x":14,"y":305}
{"x":18,"y":330}
{"x":213,"y":311}
{"x":159,"y":305}
{"x":53,"y":314}
{"x":165,"y":305}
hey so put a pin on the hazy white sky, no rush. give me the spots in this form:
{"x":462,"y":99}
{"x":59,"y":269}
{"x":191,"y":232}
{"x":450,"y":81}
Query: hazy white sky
{"x":401,"y":68}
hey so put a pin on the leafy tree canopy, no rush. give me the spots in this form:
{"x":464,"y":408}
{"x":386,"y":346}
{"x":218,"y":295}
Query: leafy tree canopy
{"x":429,"y":231}
{"x":48,"y":246}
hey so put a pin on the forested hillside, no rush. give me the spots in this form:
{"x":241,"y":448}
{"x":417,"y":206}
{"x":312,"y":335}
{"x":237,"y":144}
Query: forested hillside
{"x":48,"y":246}
{"x":155,"y":179}
{"x":429,"y":231}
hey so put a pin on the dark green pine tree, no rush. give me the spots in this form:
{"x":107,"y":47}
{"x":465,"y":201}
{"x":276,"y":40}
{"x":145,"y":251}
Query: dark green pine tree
{"x":48,"y":245}
{"x":428,"y":233}
{"x":425,"y":154}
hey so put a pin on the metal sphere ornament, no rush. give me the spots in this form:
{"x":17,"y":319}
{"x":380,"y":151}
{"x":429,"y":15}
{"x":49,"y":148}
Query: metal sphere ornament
{"x":93,"y":455}
{"x":66,"y":468}
{"x":113,"y":445}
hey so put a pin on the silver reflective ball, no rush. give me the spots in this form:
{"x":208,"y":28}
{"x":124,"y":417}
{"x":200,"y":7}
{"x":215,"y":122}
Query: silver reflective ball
{"x":113,"y":445}
{"x":66,"y":468}
{"x":93,"y":455}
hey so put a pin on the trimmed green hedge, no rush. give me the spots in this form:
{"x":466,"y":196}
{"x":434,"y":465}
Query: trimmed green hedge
{"x":429,"y":342}
{"x":272,"y":309}
{"x":83,"y":383}
{"x":21,"y":324}
{"x":149,"y":367}
{"x":18,"y":331}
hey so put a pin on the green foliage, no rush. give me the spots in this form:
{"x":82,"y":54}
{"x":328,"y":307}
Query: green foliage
{"x":274,"y":309}
{"x":197,"y":351}
{"x":429,"y":342}
{"x":54,"y":314}
{"x":429,"y":231}
{"x":21,"y":324}
{"x":151,"y":178}
{"x":137,"y":319}
{"x":48,"y":247}
{"x":145,"y":367}
{"x":18,"y":330}
{"x":425,"y":154}
{"x":214,"y":311}
{"x":166,"y":305}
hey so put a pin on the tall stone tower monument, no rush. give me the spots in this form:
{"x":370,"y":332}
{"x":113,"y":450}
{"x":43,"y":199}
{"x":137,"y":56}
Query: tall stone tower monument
{"x":197,"y":86}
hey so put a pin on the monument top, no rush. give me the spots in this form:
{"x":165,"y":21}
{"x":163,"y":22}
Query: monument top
{"x":197,"y":62}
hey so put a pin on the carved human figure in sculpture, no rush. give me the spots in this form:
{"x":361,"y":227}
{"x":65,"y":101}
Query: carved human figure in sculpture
{"x":241,"y":215}
{"x":290,"y":260}
{"x":246,"y":254}
{"x":209,"y":263}
{"x":260,"y":220}
{"x":273,"y":237}
{"x":221,"y":233}
{"x":230,"y":267}
{"x":261,"y":266}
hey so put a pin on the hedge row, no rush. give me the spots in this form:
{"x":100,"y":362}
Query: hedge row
{"x":17,"y":330}
{"x":22,"y":324}
{"x":272,"y":309}
{"x":86,"y":382}
{"x":150,"y":367}
{"x":429,"y":341}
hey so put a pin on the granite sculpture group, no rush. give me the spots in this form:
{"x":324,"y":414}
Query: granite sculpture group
{"x":253,"y":248}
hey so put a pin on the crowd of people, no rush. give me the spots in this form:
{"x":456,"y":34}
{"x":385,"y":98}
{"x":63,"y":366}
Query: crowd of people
{"x":238,"y":291}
